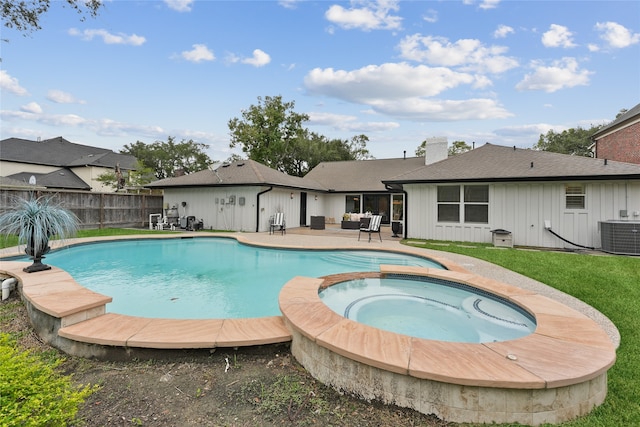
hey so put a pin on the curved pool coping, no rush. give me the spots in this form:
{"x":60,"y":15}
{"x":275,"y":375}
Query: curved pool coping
{"x":566,"y":348}
{"x":74,"y":319}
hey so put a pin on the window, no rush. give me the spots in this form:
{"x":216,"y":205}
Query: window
{"x":352,"y":203}
{"x":574,"y":196}
{"x":474,"y":206}
{"x":476,"y":203}
{"x":449,"y":203}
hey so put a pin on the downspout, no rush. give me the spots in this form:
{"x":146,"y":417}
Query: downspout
{"x":258,"y":207}
{"x":406,"y":202}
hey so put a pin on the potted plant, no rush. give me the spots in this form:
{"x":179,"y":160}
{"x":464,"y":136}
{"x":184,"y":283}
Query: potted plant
{"x":35,"y":221}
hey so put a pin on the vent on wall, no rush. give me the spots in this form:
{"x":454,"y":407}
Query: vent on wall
{"x":620,"y":237}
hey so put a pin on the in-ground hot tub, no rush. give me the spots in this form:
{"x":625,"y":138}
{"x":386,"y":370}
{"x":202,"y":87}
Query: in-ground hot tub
{"x":553,"y":375}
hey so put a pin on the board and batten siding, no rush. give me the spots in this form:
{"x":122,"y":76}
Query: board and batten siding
{"x":522,"y":209}
{"x":234,"y":216}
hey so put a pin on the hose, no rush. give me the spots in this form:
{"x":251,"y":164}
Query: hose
{"x":565,"y":240}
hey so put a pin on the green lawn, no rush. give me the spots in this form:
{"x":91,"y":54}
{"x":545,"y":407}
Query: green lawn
{"x":611,"y":284}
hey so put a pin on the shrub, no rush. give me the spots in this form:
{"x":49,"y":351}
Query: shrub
{"x":32,"y":393}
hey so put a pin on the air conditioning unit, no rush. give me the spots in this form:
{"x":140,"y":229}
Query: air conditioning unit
{"x":620,"y":237}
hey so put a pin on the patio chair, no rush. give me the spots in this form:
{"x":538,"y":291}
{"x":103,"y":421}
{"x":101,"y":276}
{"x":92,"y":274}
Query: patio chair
{"x":373,"y":227}
{"x":277,"y":223}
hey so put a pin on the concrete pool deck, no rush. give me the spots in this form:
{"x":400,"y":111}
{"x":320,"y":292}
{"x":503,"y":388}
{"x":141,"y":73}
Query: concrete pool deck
{"x":553,"y":375}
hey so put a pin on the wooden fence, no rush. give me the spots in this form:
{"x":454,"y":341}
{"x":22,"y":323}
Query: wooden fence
{"x":95,"y":210}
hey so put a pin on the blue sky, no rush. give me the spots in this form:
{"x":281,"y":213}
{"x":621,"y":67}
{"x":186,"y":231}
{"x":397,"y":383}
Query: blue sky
{"x":399,"y":72}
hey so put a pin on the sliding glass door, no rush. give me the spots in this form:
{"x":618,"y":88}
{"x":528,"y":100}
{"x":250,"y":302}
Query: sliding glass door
{"x":378,"y":204}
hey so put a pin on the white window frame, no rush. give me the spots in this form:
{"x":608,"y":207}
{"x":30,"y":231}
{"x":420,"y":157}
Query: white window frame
{"x":462,"y":204}
{"x":573,"y":194}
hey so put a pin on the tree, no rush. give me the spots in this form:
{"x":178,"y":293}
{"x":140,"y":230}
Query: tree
{"x":313,"y":149}
{"x":574,"y":141}
{"x":24,"y":15}
{"x":456,"y":147}
{"x":272,"y":133}
{"x":135,"y":178}
{"x":269,"y":132}
{"x":167,"y":159}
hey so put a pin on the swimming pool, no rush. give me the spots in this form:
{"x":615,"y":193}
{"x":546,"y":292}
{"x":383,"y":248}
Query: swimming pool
{"x":203,"y":278}
{"x":429,"y":308}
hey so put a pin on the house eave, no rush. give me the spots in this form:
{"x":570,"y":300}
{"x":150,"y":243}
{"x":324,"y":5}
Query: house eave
{"x":623,"y":177}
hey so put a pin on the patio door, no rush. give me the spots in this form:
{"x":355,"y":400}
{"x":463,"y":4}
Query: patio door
{"x":378,"y":204}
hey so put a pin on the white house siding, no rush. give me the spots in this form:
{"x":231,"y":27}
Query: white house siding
{"x":522,"y":209}
{"x":335,"y":205}
{"x":231,"y":215}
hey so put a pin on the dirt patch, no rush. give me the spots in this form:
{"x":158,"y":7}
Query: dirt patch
{"x":258,"y":386}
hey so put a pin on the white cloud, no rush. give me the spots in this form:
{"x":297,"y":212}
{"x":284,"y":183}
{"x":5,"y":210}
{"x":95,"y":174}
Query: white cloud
{"x":503,"y":31}
{"x":259,"y":59}
{"x":484,"y":4}
{"x":11,"y":85}
{"x":390,"y":80}
{"x":561,"y":74}
{"x":558,"y":36}
{"x":468,"y":54}
{"x":534,"y":129}
{"x":32,"y":108}
{"x":179,"y":5}
{"x":431,"y":16}
{"x":401,"y":90}
{"x":289,"y":4}
{"x":436,"y":110}
{"x":107,"y":37}
{"x":489,"y":4}
{"x":371,"y":16}
{"x":60,"y":97}
{"x":199,"y":53}
{"x":348,"y":123}
{"x":616,"y":35}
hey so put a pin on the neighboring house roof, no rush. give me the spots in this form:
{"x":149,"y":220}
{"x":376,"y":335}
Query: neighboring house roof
{"x":6,"y":182}
{"x":61,"y":178}
{"x":62,"y":153}
{"x":623,"y":120}
{"x":361,"y":175}
{"x":492,"y":163}
{"x":243,"y":173}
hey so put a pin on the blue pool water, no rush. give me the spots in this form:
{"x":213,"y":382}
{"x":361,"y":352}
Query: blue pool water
{"x":205,"y":278}
{"x":429,"y":308}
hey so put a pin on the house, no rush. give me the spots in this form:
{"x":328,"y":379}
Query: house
{"x":620,"y":139}
{"x":538,"y":197}
{"x":240,"y":196}
{"x":59,"y":164}
{"x":243,"y":195}
{"x":525,"y":192}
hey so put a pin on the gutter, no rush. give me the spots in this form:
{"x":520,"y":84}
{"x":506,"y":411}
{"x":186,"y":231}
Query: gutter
{"x":258,"y":207}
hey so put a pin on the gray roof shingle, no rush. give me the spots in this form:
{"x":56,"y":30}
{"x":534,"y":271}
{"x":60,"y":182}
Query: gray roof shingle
{"x":498,"y":163}
{"x":61,"y":178}
{"x":361,"y":175}
{"x":243,"y":172}
{"x":62,"y":153}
